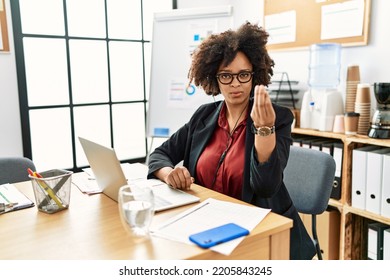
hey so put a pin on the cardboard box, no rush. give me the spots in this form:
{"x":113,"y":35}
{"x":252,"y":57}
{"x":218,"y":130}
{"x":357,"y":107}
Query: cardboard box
{"x":328,"y":232}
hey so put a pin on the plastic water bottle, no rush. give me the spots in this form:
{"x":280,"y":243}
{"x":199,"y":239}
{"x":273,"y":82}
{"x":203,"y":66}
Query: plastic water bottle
{"x":324,"y":66}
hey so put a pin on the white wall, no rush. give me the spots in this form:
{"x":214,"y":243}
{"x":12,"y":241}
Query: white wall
{"x":373,"y":59}
{"x":251,"y":10}
{"x":10,"y":128}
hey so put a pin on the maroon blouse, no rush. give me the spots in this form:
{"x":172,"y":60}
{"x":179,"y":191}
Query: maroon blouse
{"x":221,"y":165}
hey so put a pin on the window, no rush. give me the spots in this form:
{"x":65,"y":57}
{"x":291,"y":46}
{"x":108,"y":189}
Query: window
{"x":83,"y":70}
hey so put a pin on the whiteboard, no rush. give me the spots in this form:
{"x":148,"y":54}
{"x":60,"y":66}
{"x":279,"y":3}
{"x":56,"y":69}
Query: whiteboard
{"x":176,"y":33}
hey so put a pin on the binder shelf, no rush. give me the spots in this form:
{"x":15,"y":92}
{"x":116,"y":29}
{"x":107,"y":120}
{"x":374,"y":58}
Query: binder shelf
{"x":354,"y":220}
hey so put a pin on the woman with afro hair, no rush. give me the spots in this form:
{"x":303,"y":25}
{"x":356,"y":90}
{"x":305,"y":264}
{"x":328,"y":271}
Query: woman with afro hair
{"x":238,"y":146}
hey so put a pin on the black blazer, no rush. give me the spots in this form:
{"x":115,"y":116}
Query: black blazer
{"x":262,"y":183}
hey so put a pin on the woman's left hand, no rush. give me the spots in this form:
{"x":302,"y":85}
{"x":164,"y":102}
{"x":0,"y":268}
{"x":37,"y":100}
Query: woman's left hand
{"x":262,"y":114}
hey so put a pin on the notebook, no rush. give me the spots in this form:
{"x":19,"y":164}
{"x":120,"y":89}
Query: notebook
{"x":110,"y":177}
{"x":12,"y":199}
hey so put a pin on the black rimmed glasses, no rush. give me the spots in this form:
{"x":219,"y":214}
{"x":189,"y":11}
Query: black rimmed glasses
{"x":227,"y":78}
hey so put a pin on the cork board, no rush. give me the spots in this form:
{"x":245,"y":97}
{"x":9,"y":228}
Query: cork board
{"x":4,"y":44}
{"x":306,"y":22}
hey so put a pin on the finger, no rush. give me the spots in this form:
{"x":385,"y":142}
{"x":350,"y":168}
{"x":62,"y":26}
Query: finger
{"x":173,"y":180}
{"x":189,"y":182}
{"x":258,"y":94}
{"x":269,"y":109}
{"x":181,"y":179}
{"x":255,"y":93}
{"x":266,"y":105}
{"x":261,"y":105}
{"x":267,"y":113}
{"x":188,"y":179}
{"x":255,"y":108}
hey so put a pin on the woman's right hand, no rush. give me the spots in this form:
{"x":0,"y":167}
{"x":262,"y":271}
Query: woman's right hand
{"x":178,"y":177}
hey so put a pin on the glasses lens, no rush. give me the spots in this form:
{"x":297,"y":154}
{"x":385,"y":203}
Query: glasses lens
{"x":225,"y":78}
{"x":244,"y":77}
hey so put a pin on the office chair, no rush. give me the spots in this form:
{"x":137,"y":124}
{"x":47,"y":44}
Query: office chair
{"x":309,"y":177}
{"x":14,"y":169}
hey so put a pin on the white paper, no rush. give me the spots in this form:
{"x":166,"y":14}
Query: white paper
{"x":281,"y":27}
{"x":342,"y":19}
{"x":209,"y":214}
{"x":87,"y":184}
{"x":197,"y":32}
{"x":183,"y":95}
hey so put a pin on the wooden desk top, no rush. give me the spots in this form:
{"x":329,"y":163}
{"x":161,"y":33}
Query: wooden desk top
{"x":91,"y":229}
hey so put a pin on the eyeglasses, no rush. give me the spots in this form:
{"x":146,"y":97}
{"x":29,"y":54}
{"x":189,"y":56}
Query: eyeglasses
{"x":227,"y":78}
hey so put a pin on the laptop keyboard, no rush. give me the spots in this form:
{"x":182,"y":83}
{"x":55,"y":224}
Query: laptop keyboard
{"x":160,"y":202}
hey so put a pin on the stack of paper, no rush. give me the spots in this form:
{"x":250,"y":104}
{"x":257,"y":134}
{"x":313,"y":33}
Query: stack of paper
{"x":209,"y":214}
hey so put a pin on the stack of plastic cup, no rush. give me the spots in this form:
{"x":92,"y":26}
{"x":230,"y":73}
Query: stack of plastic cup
{"x":353,"y":79}
{"x":363,"y":107}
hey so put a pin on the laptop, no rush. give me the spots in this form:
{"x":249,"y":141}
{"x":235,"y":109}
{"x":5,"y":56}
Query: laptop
{"x":110,"y":177}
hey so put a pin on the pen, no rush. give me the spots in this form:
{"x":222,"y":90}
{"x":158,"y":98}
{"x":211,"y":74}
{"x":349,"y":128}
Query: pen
{"x":185,"y":215}
{"x":55,"y":190}
{"x":45,"y":187}
{"x":4,"y":208}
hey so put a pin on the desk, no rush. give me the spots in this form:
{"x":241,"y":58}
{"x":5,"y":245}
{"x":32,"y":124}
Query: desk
{"x":91,"y":229}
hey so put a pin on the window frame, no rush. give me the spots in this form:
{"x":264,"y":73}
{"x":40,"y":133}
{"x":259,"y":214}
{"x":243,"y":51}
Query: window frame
{"x":22,"y":81}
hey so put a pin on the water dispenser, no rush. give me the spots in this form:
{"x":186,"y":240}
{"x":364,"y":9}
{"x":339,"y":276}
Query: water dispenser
{"x":322,"y":102}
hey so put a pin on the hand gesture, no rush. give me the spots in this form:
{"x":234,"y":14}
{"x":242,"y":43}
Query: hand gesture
{"x":262,"y":113}
{"x":179,"y":178}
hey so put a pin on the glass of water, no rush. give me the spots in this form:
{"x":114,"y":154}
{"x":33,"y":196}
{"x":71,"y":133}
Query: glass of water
{"x":136,"y":208}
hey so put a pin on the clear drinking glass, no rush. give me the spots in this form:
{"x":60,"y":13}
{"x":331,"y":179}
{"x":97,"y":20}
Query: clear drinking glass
{"x":136,"y":208}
